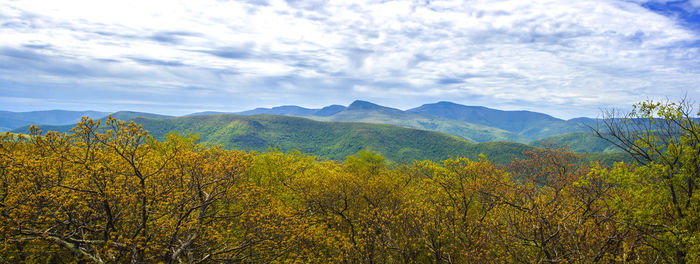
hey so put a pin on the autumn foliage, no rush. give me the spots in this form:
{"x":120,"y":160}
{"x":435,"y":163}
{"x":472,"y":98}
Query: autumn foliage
{"x":110,"y":193}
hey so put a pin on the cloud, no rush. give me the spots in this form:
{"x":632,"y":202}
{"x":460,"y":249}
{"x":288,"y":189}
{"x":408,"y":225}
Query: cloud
{"x":566,"y":58}
{"x":172,"y":37}
{"x":242,"y":52}
{"x":157,"y":62}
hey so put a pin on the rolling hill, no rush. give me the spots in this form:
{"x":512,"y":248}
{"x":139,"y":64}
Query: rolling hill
{"x":11,"y":120}
{"x":584,"y":141}
{"x":332,"y":140}
{"x":528,"y":125}
{"x":65,"y":128}
{"x":366,"y":112}
{"x":357,"y":126}
{"x":287,"y":110}
{"x":126,"y":115}
{"x":474,"y":123}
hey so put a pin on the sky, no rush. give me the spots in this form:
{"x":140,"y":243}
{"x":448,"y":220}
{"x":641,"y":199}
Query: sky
{"x":560,"y":57}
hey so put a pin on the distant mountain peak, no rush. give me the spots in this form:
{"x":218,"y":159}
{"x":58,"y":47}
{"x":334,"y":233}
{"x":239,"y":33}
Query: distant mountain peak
{"x":335,"y":106}
{"x":11,"y":120}
{"x":524,"y":123}
{"x":126,"y":115}
{"x":330,"y":110}
{"x":444,"y":103}
{"x":364,"y":105}
{"x":451,"y":104}
{"x":289,"y":107}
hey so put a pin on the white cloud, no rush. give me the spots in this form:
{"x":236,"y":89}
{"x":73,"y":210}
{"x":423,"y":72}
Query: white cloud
{"x":550,"y":54}
{"x":695,"y":3}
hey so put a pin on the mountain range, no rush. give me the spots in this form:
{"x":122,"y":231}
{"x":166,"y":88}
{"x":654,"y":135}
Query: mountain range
{"x":474,"y":123}
{"x":335,"y":130}
{"x":10,"y":120}
{"x":333,"y":140}
{"x":527,"y":125}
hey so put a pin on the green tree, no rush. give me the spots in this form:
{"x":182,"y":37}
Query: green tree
{"x":660,"y":197}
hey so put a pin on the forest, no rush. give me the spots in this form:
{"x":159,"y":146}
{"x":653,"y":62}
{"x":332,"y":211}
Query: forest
{"x":109,"y":192}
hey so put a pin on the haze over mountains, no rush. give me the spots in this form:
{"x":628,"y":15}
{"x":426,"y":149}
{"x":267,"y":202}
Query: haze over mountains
{"x":333,"y":140}
{"x":527,"y":124}
{"x":474,"y":123}
{"x":362,"y":124}
{"x":10,"y":120}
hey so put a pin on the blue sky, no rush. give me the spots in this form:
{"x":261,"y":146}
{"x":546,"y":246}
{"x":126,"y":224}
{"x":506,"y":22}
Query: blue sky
{"x":565,"y":58}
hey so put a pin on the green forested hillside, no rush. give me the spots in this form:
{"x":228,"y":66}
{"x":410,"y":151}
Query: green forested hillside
{"x":580,"y":142}
{"x":507,"y":120}
{"x":473,"y":123}
{"x":525,"y":124}
{"x":364,"y":125}
{"x":288,"y":110}
{"x":366,"y":112}
{"x":333,"y":140}
{"x":293,"y":110}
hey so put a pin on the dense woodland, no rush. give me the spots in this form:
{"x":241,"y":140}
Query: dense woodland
{"x":108,"y":192}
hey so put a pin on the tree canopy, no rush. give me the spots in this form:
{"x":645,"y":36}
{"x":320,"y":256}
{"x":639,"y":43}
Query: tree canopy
{"x":108,"y":192}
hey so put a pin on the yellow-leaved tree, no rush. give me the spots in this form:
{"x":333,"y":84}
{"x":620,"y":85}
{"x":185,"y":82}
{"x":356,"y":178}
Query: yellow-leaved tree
{"x":111,"y":193}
